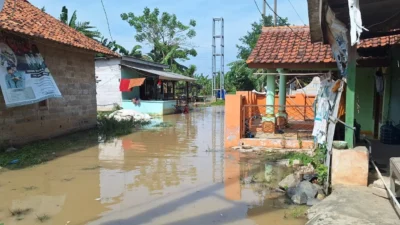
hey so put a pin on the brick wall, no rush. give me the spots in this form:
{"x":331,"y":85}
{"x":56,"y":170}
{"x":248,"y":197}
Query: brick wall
{"x":74,"y":73}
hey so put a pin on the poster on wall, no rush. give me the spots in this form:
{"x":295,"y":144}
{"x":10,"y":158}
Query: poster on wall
{"x":24,"y":76}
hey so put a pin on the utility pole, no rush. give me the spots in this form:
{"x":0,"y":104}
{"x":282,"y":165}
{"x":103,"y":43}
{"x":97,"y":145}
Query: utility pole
{"x":264,"y":9}
{"x":276,"y":12}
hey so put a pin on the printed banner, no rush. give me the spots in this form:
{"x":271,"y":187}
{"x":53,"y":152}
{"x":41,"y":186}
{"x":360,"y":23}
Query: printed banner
{"x":24,"y":77}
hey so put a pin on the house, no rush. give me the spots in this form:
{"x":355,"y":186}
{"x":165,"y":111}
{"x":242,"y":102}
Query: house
{"x":152,"y":86}
{"x":344,"y":25}
{"x":287,"y":52}
{"x":68,"y":56}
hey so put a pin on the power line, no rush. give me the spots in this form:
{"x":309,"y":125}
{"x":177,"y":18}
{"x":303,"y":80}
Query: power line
{"x":296,"y":12}
{"x":276,"y":14}
{"x":108,"y":24}
{"x":258,"y":8}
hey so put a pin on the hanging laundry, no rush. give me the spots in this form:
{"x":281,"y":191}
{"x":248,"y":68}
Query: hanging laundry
{"x":124,"y":85}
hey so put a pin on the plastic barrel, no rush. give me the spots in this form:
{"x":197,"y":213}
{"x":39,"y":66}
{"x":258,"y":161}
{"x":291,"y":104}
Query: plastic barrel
{"x":223,"y":94}
{"x":218,"y":93}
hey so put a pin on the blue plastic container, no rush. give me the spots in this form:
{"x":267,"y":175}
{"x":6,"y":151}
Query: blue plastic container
{"x":221,"y":95}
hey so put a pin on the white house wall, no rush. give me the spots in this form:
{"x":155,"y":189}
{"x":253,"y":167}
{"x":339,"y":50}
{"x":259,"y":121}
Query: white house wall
{"x":108,"y":75}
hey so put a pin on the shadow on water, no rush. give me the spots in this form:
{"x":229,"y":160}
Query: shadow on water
{"x":232,"y":213}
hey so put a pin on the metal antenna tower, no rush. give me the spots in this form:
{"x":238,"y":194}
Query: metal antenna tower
{"x":218,"y":74}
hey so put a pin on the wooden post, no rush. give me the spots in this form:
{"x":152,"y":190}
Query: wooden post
{"x":187,"y":92}
{"x":173,"y":89}
{"x":350,"y":95}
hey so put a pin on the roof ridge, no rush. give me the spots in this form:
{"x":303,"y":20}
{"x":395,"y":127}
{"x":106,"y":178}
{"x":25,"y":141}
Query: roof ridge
{"x":278,"y":28}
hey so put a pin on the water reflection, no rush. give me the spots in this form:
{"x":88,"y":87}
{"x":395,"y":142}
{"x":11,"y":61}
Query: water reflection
{"x":174,"y":175}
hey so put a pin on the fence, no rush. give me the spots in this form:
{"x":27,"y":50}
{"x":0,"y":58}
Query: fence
{"x":299,"y":120}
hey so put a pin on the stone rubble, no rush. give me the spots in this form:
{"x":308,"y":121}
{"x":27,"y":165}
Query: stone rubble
{"x":300,"y":188}
{"x":126,"y":114}
{"x":289,"y":181}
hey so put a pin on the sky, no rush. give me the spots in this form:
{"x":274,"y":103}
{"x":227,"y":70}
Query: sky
{"x":238,"y":16}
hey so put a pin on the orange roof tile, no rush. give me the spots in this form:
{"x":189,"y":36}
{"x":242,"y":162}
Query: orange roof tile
{"x":294,"y":46}
{"x":22,"y":17}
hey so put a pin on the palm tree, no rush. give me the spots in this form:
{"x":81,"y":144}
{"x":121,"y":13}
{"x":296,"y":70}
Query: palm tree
{"x":190,"y":71}
{"x":83,"y":27}
{"x":135,"y":52}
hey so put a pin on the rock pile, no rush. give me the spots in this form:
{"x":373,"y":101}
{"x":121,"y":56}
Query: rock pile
{"x":126,"y":114}
{"x":301,"y":187}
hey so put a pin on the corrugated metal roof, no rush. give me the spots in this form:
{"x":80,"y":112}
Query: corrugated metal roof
{"x":164,"y":75}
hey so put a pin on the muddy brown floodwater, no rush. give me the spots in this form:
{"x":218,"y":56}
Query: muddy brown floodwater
{"x":171,"y":175}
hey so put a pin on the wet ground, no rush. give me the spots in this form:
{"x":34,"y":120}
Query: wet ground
{"x":170,"y":175}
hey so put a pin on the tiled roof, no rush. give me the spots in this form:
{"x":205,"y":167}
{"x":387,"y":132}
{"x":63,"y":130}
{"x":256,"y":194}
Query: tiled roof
{"x":282,"y":45}
{"x":20,"y":16}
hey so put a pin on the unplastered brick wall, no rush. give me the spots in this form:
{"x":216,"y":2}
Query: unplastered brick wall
{"x":74,"y":73}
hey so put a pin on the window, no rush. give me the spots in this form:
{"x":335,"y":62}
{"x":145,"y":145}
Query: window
{"x":44,"y":105}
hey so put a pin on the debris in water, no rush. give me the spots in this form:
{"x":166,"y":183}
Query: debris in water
{"x":15,"y":161}
{"x":91,"y":168}
{"x":43,"y":218}
{"x":20,"y":212}
{"x":11,"y":149}
{"x":30,"y":188}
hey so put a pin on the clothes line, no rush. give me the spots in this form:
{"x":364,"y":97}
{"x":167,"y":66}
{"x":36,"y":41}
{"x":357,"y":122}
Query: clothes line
{"x":292,"y":74}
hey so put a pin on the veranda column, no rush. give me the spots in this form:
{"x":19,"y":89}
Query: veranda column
{"x":282,"y":94}
{"x":270,"y":97}
{"x":350,"y":95}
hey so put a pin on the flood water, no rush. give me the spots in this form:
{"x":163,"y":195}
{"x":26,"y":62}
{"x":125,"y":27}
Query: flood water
{"x":172,"y":175}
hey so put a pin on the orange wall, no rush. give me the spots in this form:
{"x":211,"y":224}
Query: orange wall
{"x":234,"y":118}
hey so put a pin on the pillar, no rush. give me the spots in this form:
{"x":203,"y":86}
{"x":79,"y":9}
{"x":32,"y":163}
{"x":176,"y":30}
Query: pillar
{"x":270,"y":97}
{"x":350,"y":95}
{"x":282,"y":94}
{"x":187,"y":92}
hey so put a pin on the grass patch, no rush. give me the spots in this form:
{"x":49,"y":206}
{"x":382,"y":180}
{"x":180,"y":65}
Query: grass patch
{"x":219,"y":102}
{"x":163,"y":124}
{"x":43,"y":151}
{"x":43,"y":218}
{"x":296,"y":212}
{"x":110,"y":127}
{"x":317,"y":161}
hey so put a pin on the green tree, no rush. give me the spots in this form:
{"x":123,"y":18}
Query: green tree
{"x":205,"y":83}
{"x":168,"y":37}
{"x":190,"y":71}
{"x":249,"y":41}
{"x":83,"y":27}
{"x":240,"y":75}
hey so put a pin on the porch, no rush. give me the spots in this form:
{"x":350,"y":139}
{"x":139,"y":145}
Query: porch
{"x":156,"y":92}
{"x":262,"y":125}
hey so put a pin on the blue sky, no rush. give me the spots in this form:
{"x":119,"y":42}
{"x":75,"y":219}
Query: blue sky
{"x":238,"y":15}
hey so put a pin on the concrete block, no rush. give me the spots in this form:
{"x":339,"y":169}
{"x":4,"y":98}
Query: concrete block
{"x":350,"y":166}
